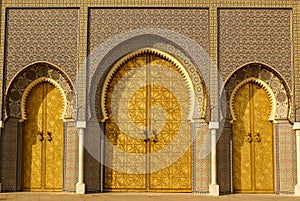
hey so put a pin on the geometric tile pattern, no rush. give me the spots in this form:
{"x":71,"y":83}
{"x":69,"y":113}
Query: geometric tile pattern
{"x":70,"y":157}
{"x":224,"y":160}
{"x":42,"y":35}
{"x":296,"y":57}
{"x":190,"y":22}
{"x":9,"y":153}
{"x":91,"y":173}
{"x":92,"y":158}
{"x":202,"y":159}
{"x":285,"y":157}
{"x":261,"y":35}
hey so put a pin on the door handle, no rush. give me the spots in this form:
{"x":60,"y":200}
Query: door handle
{"x":147,"y":139}
{"x":248,"y":137}
{"x":257,"y":137}
{"x":41,"y":134}
{"x":50,"y":136}
{"x":155,"y":136}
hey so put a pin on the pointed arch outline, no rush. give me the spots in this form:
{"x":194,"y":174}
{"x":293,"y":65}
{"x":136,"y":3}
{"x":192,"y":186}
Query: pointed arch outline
{"x":261,"y":83}
{"x":156,"y":52}
{"x":29,"y":89}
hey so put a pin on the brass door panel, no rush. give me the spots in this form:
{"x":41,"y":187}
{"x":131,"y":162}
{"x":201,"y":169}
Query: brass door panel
{"x":32,"y":146}
{"x":176,"y":177}
{"x":253,"y":165}
{"x":43,"y":140}
{"x":263,"y":142}
{"x":116,"y":180}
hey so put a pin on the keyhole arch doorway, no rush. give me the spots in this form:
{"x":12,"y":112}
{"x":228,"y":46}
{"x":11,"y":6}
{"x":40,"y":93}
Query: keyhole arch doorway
{"x":43,"y":106}
{"x":252,"y":105}
{"x":153,"y":107}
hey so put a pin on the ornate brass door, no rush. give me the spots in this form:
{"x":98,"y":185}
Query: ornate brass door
{"x":155,"y":118}
{"x":253,"y":158}
{"x":42,"y":151}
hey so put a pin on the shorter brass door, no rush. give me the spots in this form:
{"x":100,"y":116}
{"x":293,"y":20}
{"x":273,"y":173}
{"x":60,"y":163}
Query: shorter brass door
{"x":253,"y":157}
{"x":42,"y":151}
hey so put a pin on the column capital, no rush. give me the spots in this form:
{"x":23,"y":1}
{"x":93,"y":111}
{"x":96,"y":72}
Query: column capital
{"x":296,"y":126}
{"x":213,"y":125}
{"x":81,"y":124}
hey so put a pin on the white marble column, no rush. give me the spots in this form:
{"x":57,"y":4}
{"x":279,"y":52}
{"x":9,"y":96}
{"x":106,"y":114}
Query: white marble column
{"x":296,"y":127}
{"x":214,"y":187}
{"x":80,"y":186}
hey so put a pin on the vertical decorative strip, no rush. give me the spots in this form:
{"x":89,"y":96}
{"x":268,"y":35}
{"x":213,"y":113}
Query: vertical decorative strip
{"x":2,"y":71}
{"x":296,"y":28}
{"x":214,"y":83}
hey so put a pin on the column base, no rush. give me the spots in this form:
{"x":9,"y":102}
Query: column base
{"x":214,"y":190}
{"x":80,"y":188}
{"x":297,"y":190}
{"x":0,"y":187}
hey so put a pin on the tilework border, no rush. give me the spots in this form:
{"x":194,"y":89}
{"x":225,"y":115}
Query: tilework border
{"x":296,"y":59}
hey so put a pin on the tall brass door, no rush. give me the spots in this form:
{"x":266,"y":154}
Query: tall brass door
{"x":253,"y":158}
{"x":155,"y":117}
{"x":42,"y":151}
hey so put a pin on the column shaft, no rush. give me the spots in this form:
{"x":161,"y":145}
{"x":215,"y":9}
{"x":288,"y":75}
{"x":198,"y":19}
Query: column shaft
{"x":213,"y":157}
{"x":214,"y":187}
{"x":81,"y":156}
{"x":80,"y":186}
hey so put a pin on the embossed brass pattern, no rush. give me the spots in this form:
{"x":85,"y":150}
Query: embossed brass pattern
{"x":42,"y":142}
{"x":176,"y":177}
{"x":253,"y":158}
